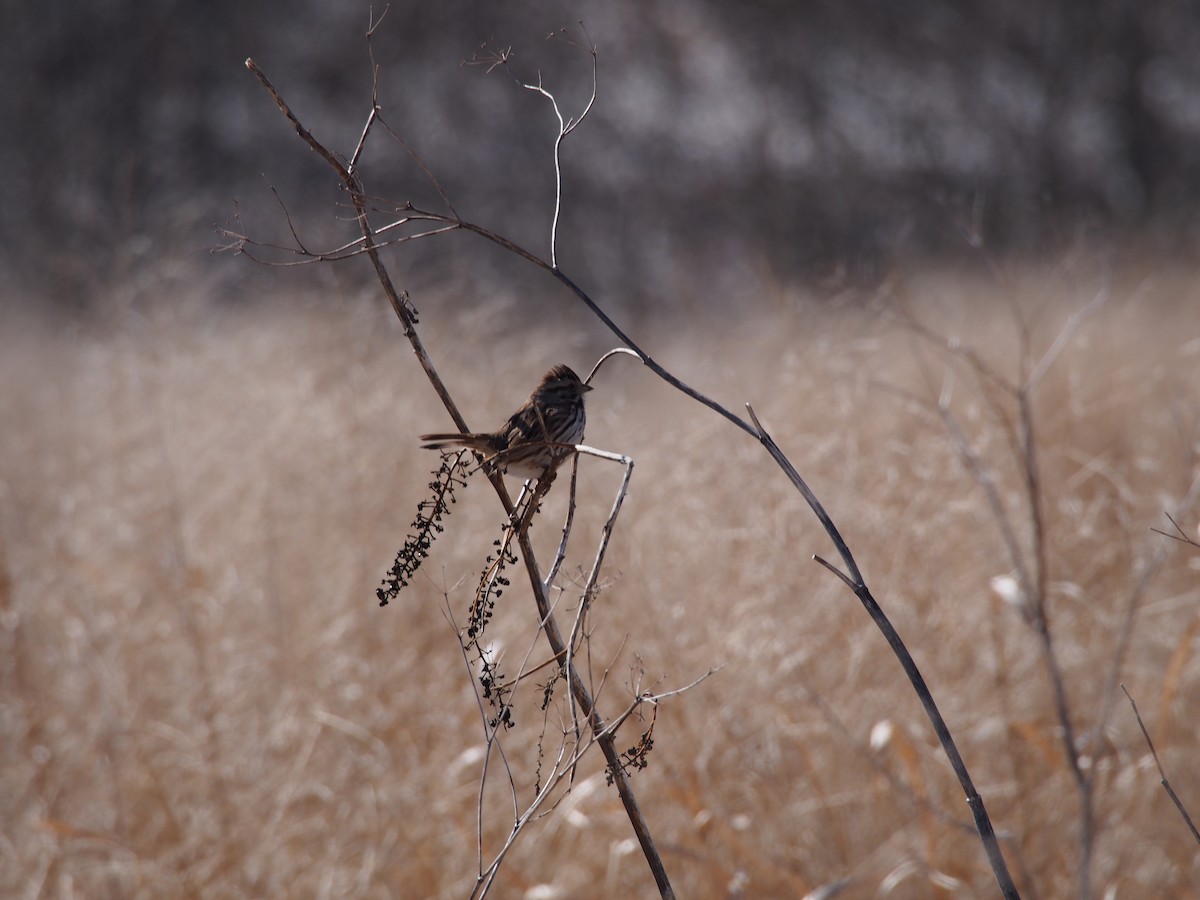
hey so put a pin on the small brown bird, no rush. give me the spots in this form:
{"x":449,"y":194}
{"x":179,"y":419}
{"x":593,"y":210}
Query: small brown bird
{"x":537,"y":437}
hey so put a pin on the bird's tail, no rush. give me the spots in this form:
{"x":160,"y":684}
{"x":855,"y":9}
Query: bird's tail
{"x":484,"y":442}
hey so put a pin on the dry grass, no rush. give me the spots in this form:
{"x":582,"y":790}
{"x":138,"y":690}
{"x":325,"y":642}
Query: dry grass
{"x":199,"y":696}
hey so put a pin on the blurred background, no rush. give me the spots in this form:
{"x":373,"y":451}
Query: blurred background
{"x":732,"y":144}
{"x":877,"y":221}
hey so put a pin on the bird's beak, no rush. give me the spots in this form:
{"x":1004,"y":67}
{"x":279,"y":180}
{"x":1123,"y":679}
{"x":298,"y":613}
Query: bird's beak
{"x":585,"y":388}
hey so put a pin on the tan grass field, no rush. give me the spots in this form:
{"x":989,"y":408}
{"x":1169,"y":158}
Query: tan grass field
{"x":200,"y":697}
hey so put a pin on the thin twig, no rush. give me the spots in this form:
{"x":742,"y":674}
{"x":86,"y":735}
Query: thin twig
{"x":1163,"y":775}
{"x":1182,"y":536}
{"x":561,"y":553}
{"x":602,"y":360}
{"x":846,"y":579}
{"x":983,"y":823}
{"x":419,"y":160}
{"x":1132,"y":605}
{"x":589,"y":587}
{"x":490,"y":737}
{"x":397,"y":301}
{"x":564,"y":129}
{"x":1035,"y":500}
{"x":991,"y":492}
{"x":287,"y":215}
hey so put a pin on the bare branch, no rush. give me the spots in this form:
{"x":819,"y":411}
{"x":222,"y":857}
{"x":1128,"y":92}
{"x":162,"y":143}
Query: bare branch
{"x":599,"y":729}
{"x":786,"y":464}
{"x":663,"y":695}
{"x":602,"y":360}
{"x":561,"y":553}
{"x":362,"y":140}
{"x":991,"y":492}
{"x":956,"y":348}
{"x":305,"y":135}
{"x":846,"y":579}
{"x":1182,"y":535}
{"x":492,"y":57}
{"x":1163,"y":775}
{"x":491,"y":738}
{"x":288,"y":216}
{"x":589,"y":588}
{"x":420,"y":161}
{"x":564,"y":129}
{"x":983,"y":822}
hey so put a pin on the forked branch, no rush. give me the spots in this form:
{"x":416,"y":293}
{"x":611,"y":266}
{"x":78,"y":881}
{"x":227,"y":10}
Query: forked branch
{"x":855,"y":582}
{"x":444,"y":222}
{"x":578,"y":687}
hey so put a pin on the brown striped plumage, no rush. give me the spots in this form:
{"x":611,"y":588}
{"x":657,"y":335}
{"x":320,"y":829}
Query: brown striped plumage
{"x":537,"y":436}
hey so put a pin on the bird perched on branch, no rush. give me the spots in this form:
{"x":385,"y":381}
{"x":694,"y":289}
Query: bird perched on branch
{"x":538,"y":437}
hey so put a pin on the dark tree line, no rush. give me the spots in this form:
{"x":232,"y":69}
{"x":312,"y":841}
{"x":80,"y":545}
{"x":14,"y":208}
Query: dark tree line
{"x":727,"y":137}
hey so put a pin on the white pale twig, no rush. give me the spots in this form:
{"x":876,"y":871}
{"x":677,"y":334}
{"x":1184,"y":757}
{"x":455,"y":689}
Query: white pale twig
{"x":373,"y":24}
{"x":566,"y":532}
{"x":565,"y":127}
{"x":602,"y":360}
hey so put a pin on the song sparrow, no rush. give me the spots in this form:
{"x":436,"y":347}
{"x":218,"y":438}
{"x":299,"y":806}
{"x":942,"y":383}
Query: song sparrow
{"x":537,"y":436}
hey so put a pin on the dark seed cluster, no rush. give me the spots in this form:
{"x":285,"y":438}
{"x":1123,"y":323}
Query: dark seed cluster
{"x":637,"y":756}
{"x":425,"y":527}
{"x":492,"y":583}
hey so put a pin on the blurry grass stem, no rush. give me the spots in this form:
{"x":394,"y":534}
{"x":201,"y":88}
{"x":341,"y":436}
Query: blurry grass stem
{"x":1029,"y":558}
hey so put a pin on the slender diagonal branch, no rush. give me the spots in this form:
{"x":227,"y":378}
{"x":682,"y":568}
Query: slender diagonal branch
{"x":1161,"y":774}
{"x":983,"y":823}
